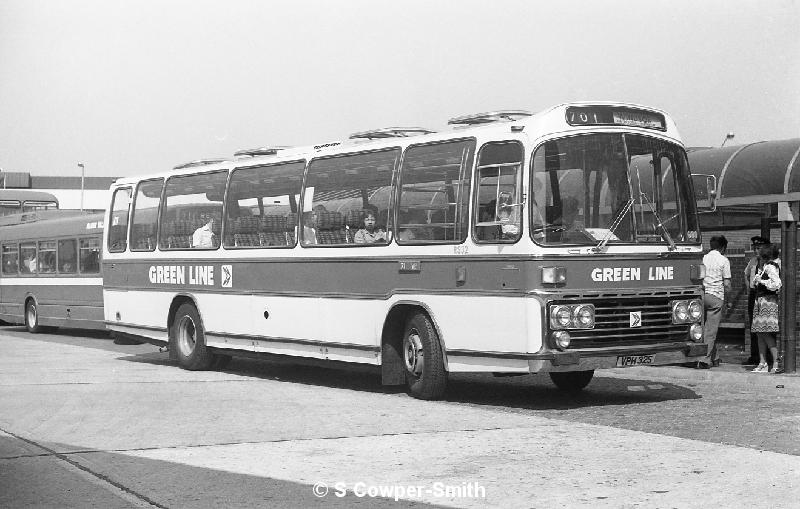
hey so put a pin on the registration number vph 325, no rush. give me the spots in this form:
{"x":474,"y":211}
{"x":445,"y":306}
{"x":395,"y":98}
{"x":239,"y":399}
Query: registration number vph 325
{"x":634,"y":360}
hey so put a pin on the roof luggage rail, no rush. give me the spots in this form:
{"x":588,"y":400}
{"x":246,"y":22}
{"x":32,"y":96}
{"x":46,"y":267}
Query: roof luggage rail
{"x":489,"y":117}
{"x":199,"y":162}
{"x":260,"y":151}
{"x":390,"y":132}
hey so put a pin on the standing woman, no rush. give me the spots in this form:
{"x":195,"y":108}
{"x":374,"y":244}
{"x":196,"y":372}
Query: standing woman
{"x":767,"y":283}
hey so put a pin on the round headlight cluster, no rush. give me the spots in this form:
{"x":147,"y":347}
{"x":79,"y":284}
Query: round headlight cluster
{"x":687,"y":311}
{"x":577,"y":316}
{"x":696,"y":332}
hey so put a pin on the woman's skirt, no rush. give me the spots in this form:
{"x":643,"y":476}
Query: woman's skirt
{"x":765,"y":314}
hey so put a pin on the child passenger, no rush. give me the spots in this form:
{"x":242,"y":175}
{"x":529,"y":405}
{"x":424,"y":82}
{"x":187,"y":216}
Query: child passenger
{"x":369,"y":234}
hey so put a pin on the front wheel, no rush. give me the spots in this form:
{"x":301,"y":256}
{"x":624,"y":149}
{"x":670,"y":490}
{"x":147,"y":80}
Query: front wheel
{"x":571,"y":381}
{"x":188,"y":339}
{"x":423,"y":358}
{"x":32,"y":317}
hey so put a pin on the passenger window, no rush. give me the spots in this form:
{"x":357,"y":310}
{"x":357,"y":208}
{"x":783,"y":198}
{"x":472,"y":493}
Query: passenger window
{"x":434,"y":193}
{"x":27,"y":252}
{"x":67,"y":256}
{"x":118,"y":229}
{"x":47,"y":256}
{"x":498,"y":208}
{"x":10,"y":259}
{"x":262,"y":206}
{"x":145,"y":215}
{"x":90,"y":256}
{"x":346,"y":199}
{"x":192,"y":217}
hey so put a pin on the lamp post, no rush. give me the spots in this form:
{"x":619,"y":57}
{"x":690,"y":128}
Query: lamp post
{"x":728,"y":136}
{"x":80,"y":165}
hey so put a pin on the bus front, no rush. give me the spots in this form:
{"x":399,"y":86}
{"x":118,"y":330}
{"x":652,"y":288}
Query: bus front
{"x":613,"y":211}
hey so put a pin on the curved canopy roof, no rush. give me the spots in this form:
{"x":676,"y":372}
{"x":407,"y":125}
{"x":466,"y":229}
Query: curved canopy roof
{"x":761,"y":172}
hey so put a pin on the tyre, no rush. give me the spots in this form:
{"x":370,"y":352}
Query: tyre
{"x":571,"y":381}
{"x":423,"y":359}
{"x":188,"y":339}
{"x":32,"y":317}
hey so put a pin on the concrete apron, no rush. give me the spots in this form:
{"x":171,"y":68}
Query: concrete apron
{"x":86,"y":407}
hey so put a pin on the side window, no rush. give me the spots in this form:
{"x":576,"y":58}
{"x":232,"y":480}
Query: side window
{"x":145,"y":215}
{"x":434,"y":193}
{"x":118,"y":227}
{"x":346,"y":199}
{"x":497,"y":212}
{"x":27,"y":252}
{"x":67,"y":256}
{"x":262,"y":206}
{"x":90,"y":255}
{"x":47,"y":256}
{"x":10,"y":259}
{"x":192,"y":217}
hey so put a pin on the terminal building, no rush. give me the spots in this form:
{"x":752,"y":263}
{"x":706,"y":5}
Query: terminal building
{"x":67,"y":190}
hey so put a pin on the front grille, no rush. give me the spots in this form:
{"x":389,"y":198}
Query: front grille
{"x":612,"y":319}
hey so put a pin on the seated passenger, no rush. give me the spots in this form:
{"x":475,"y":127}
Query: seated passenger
{"x":574,"y":230}
{"x":507,"y":215}
{"x":204,"y":237}
{"x":310,"y":227}
{"x":369,"y":234}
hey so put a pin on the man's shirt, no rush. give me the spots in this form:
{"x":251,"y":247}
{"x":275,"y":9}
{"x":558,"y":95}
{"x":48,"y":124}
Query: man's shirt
{"x":718,"y":268}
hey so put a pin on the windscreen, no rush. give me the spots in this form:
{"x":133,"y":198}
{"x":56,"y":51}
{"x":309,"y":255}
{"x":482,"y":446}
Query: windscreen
{"x":611,"y":188}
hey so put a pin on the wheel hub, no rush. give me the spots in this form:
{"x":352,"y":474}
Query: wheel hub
{"x":413,"y":354}
{"x":186,"y":336}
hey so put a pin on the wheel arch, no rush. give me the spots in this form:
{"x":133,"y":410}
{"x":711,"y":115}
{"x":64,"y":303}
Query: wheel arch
{"x":392,"y":367}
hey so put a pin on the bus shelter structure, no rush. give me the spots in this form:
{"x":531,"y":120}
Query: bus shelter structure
{"x":764,"y":178}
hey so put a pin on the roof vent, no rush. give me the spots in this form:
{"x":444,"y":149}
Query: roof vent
{"x":260,"y":151}
{"x":391,"y":132}
{"x":489,"y":117}
{"x":199,"y":162}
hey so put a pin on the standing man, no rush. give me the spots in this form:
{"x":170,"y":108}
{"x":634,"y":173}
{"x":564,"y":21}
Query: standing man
{"x":753,"y":266}
{"x":716,"y":284}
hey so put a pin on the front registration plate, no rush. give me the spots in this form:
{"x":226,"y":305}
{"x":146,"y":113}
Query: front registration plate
{"x":634,"y":360}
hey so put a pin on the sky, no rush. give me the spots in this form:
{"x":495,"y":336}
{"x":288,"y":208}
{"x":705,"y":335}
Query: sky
{"x":137,"y":87}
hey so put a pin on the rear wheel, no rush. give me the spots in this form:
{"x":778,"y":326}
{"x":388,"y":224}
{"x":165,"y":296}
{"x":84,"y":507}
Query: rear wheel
{"x":571,"y":381}
{"x":423,"y":358}
{"x":32,"y":317}
{"x":188,"y":339}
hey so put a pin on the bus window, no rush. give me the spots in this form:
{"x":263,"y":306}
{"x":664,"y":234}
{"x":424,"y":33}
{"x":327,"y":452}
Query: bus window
{"x":90,"y":256}
{"x":47,"y":256}
{"x":498,"y":198}
{"x":118,"y":227}
{"x":262,"y":205}
{"x":192,"y":217}
{"x":10,"y":259}
{"x":27,"y":252}
{"x":67,"y":256}
{"x":341,"y":191}
{"x":434,"y":193}
{"x":145,"y":215}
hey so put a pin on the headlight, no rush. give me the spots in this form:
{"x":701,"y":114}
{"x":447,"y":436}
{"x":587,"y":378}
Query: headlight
{"x":584,"y":316}
{"x":696,"y":332}
{"x":561,"y":339}
{"x":680,"y":312}
{"x":560,"y":317}
{"x":695,"y":310}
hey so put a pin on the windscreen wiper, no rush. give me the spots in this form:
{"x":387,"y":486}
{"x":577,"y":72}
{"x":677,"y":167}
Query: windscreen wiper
{"x":617,"y":220}
{"x":660,"y":224}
